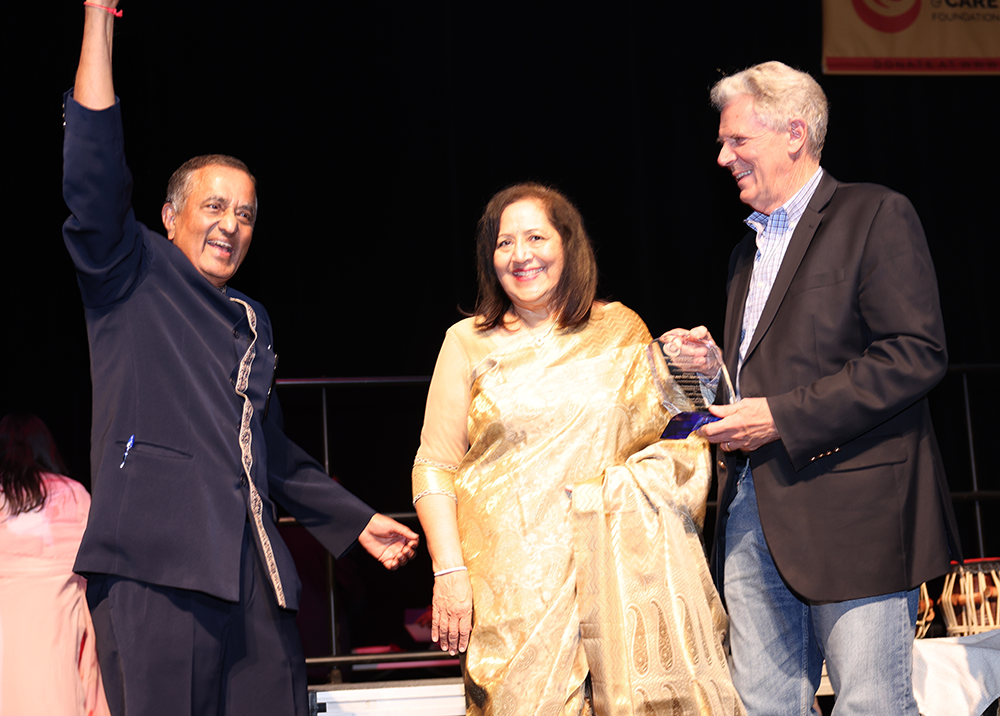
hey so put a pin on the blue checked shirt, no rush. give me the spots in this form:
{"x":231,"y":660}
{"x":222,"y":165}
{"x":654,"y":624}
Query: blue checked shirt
{"x":773,"y":234}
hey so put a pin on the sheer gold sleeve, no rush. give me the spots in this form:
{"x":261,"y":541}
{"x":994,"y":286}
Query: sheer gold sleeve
{"x":444,"y":439}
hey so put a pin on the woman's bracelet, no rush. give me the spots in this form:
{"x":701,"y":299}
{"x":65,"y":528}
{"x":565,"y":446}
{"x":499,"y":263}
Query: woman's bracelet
{"x":443,"y":572}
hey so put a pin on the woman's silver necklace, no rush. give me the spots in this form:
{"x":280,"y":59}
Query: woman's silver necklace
{"x":537,"y":338}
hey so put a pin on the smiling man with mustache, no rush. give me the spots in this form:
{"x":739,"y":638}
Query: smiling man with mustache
{"x":192,"y":590}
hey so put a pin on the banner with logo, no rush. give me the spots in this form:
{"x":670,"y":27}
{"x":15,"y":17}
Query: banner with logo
{"x":911,"y":37}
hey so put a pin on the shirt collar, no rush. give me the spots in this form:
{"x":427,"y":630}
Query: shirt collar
{"x":792,"y":209}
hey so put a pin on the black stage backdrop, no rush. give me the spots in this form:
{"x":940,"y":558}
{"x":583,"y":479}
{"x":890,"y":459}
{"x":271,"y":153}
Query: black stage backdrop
{"x":378,"y":132}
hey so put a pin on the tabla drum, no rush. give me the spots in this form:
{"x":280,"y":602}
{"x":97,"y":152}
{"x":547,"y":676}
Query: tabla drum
{"x":925,"y":612}
{"x":969,"y":598}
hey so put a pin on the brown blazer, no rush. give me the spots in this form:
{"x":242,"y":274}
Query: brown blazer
{"x":853,"y":498}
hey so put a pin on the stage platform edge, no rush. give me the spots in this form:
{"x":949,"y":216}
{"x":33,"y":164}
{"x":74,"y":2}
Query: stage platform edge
{"x":416,"y":697}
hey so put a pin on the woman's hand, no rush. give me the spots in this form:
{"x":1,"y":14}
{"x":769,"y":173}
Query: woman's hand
{"x":451,"y":622}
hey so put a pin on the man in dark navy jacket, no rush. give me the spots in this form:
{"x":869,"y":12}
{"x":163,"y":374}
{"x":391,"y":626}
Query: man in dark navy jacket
{"x":192,"y":590}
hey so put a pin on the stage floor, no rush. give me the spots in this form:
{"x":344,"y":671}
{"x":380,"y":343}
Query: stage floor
{"x":417,"y":697}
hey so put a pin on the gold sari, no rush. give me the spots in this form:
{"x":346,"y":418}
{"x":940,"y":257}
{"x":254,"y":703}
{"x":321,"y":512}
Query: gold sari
{"x":578,"y":526}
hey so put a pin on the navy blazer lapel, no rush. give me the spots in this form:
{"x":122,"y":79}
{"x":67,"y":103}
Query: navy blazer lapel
{"x":797,"y":246}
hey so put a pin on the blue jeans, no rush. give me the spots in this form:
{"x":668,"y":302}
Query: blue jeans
{"x":779,"y":642}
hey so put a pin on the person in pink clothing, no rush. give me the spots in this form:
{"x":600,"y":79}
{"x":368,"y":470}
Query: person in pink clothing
{"x":48,"y":662}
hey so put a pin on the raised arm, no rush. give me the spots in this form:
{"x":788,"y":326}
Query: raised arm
{"x":102,"y":236}
{"x":94,"y":87}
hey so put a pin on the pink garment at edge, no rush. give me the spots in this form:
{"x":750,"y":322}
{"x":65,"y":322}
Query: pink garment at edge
{"x":48,"y":663}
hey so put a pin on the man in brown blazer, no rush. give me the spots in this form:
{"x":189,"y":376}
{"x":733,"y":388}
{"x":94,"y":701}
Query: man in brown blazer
{"x":833,"y":504}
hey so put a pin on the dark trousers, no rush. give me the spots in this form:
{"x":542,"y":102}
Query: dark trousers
{"x":174,"y":652}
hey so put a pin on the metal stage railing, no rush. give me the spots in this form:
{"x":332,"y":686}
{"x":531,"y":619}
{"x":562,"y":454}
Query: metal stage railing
{"x":976,"y":495}
{"x":337,"y":661}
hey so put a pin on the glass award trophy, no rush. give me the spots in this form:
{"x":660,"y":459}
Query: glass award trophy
{"x":690,"y":375}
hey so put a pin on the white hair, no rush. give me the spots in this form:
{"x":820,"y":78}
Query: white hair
{"x":780,"y":94}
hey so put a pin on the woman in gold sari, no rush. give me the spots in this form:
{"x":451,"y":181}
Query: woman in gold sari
{"x":563,"y":532}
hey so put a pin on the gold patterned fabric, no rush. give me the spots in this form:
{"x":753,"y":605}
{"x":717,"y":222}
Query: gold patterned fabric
{"x":651,"y":619}
{"x":430,"y":478}
{"x":577,"y":524}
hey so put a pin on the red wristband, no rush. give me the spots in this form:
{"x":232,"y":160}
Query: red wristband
{"x":116,"y":13}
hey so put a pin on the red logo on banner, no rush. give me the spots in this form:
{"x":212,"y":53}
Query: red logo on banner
{"x":879,"y":17}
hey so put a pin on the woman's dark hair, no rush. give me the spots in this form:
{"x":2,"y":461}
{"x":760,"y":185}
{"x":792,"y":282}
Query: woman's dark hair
{"x":26,"y":451}
{"x":577,"y":287}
